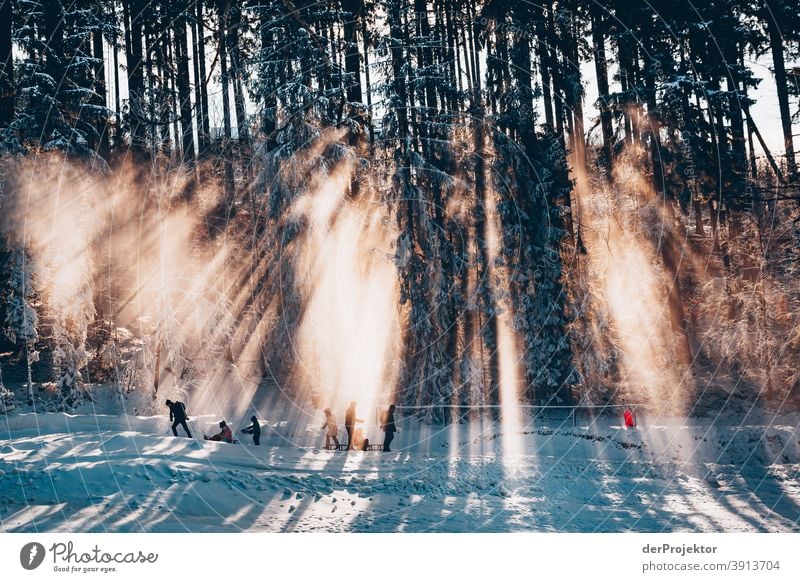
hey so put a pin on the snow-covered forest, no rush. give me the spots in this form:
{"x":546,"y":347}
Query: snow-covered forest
{"x":469,"y":208}
{"x":403,"y":201}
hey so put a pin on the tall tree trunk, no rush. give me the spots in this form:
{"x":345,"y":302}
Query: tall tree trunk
{"x":234,"y":50}
{"x":352,"y":60}
{"x":489,"y":329}
{"x":782,"y":86}
{"x":153,"y":130}
{"x":543,"y":52}
{"x":165,"y":81}
{"x":601,"y":73}
{"x":224,"y":73}
{"x":407,"y":196}
{"x":54,"y":36}
{"x":184,"y":93}
{"x":133,"y":16}
{"x":453,"y":58}
{"x":699,"y":228}
{"x":653,"y":125}
{"x":556,"y":75}
{"x":732,"y":55}
{"x":365,"y":40}
{"x":226,"y":106}
{"x":169,"y":71}
{"x":115,"y":52}
{"x":474,"y":47}
{"x":578,"y":136}
{"x":198,"y":101}
{"x":7,"y":90}
{"x":753,"y":165}
{"x":471,"y":53}
{"x":270,"y":109}
{"x":204,"y":123}
{"x":29,"y":370}
{"x":627,"y":77}
{"x":675,"y":299}
{"x":427,"y":57}
{"x":100,"y":86}
{"x":398,"y":82}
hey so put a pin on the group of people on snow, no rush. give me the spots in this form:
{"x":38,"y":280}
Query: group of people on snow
{"x":331,"y":429}
{"x":178,"y":417}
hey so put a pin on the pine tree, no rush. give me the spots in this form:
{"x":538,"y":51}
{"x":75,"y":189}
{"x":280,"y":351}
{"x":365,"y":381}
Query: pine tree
{"x":58,"y":107}
{"x":21,"y":319}
{"x":782,"y":22}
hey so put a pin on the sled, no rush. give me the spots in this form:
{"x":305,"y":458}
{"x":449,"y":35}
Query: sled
{"x":233,"y":442}
{"x":343,"y":447}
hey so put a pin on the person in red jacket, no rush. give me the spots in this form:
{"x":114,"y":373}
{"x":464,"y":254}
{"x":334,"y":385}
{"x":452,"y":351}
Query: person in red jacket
{"x":224,"y":435}
{"x":629,"y":421}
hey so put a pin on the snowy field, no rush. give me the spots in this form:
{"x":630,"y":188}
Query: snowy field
{"x":79,"y":473}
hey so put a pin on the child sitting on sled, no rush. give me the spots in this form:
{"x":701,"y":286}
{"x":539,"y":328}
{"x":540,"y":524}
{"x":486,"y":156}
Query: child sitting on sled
{"x":224,"y":435}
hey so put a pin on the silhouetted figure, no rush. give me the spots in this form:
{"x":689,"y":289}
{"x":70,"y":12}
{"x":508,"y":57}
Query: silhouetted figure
{"x":224,"y":435}
{"x":389,"y":428}
{"x":177,"y":415}
{"x":254,"y":429}
{"x":350,"y":421}
{"x":331,"y":430}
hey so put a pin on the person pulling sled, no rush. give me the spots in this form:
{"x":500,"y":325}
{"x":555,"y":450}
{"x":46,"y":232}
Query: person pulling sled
{"x":388,"y":427}
{"x":254,"y":429}
{"x":177,"y":415}
{"x":331,"y":430}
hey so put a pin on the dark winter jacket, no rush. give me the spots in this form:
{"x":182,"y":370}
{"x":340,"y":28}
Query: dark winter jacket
{"x":388,"y":422}
{"x":177,"y":411}
{"x":255,"y":429}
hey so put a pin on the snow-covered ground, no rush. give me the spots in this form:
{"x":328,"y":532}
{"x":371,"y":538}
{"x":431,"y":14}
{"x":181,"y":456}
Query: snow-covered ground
{"x":96,"y":472}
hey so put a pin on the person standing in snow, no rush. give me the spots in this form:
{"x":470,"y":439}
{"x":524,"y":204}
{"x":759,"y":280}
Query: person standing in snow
{"x":177,"y":416}
{"x":630,"y":421}
{"x":350,"y":421}
{"x":224,"y":435}
{"x":254,"y":429}
{"x":388,"y":427}
{"x":331,"y":430}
